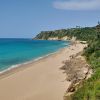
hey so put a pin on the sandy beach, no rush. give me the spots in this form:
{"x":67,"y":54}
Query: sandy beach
{"x":40,"y":80}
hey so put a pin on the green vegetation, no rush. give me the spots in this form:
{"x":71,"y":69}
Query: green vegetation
{"x":90,"y":89}
{"x":85,"y":34}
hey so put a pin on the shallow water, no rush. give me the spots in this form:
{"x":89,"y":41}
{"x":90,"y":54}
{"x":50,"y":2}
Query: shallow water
{"x":17,"y":51}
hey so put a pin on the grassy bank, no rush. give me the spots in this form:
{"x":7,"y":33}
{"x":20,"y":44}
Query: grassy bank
{"x":91,"y":87}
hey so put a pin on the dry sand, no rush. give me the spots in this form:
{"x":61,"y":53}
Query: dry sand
{"x":40,"y":80}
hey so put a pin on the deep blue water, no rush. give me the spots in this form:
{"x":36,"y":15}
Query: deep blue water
{"x":16,"y":51}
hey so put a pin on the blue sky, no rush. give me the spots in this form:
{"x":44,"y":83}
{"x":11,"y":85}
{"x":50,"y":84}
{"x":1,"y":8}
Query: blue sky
{"x":26,"y":18}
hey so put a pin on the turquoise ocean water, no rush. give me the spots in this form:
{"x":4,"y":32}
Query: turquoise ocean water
{"x":18,"y":51}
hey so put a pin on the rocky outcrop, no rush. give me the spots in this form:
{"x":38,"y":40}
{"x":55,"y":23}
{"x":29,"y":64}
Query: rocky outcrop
{"x":77,"y":70}
{"x":53,"y":38}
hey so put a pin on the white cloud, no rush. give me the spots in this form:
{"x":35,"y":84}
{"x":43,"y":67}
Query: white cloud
{"x":77,"y":5}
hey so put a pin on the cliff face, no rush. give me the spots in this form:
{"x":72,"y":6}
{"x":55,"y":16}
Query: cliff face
{"x":53,"y":38}
{"x":63,"y":38}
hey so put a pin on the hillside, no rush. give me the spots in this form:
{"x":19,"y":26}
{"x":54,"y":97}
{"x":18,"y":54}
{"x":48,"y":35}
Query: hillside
{"x":85,"y":34}
{"x":90,"y":89}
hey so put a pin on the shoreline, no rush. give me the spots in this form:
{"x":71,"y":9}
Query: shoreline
{"x":41,"y":79}
{"x":16,"y":66}
{"x":21,"y":66}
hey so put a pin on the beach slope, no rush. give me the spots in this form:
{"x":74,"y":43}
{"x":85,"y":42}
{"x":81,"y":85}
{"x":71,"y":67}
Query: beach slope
{"x":40,"y":80}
